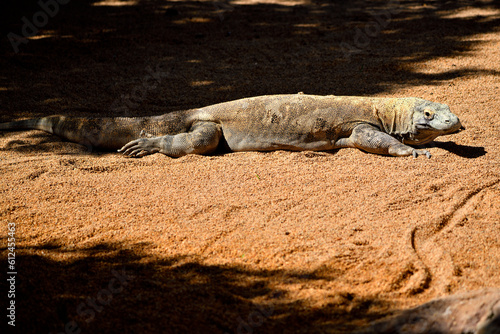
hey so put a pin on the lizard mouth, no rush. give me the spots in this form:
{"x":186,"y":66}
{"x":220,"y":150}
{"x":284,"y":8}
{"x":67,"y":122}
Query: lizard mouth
{"x":456,"y":129}
{"x":423,"y":126}
{"x":427,"y":126}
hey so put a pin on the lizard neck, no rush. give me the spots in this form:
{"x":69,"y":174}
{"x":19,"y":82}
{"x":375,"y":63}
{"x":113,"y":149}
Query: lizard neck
{"x":395,"y":116}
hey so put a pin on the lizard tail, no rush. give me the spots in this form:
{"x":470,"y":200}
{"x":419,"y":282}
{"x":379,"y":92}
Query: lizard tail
{"x":80,"y":130}
{"x":44,"y":124}
{"x":104,"y":133}
{"x":108,"y":133}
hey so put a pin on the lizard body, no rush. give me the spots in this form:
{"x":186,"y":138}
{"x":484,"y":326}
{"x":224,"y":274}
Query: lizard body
{"x":265,"y":123}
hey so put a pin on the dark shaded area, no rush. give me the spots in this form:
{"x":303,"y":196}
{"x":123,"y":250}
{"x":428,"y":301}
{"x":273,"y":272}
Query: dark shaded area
{"x":115,"y":288}
{"x":464,"y":151}
{"x":151,"y":57}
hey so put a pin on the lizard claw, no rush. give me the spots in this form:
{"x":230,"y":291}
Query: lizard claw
{"x":139,"y":148}
{"x":416,"y":153}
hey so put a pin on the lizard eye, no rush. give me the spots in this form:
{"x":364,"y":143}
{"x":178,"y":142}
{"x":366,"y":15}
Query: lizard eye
{"x":428,"y":114}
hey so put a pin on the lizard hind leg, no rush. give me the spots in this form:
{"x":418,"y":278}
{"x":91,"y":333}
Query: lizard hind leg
{"x":202,"y":138}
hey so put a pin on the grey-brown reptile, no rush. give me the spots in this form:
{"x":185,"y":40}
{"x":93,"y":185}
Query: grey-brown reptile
{"x":295,"y":122}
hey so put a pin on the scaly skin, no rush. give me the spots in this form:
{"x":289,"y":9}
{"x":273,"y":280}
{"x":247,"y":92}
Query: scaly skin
{"x":265,"y":123}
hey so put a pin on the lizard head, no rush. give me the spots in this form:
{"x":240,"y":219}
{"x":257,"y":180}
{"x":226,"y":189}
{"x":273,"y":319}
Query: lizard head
{"x":431,"y":120}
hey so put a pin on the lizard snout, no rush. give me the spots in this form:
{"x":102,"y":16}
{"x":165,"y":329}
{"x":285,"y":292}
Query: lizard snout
{"x":453,"y":123}
{"x":456,"y":126}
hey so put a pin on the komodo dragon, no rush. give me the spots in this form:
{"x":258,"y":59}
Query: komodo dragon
{"x":265,"y":123}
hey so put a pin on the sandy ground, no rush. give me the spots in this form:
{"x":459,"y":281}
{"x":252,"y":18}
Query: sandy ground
{"x":280,"y":242}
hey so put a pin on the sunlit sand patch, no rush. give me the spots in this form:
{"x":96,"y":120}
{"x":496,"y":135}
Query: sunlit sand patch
{"x":271,"y":2}
{"x":116,"y":3}
{"x":474,"y":12}
{"x":201,"y":83}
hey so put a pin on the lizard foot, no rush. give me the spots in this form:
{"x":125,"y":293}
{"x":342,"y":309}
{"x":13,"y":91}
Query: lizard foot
{"x":401,"y":150}
{"x":416,"y":153}
{"x":140,"y":147}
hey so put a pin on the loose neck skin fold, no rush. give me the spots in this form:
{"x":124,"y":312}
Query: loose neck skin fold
{"x":395,"y":115}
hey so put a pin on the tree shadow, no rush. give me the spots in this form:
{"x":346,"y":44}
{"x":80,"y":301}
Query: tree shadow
{"x":116,"y":288}
{"x":45,"y":142}
{"x":96,"y":57}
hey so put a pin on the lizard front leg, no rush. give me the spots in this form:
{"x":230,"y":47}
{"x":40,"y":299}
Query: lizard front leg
{"x":369,"y":138}
{"x":202,"y":138}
